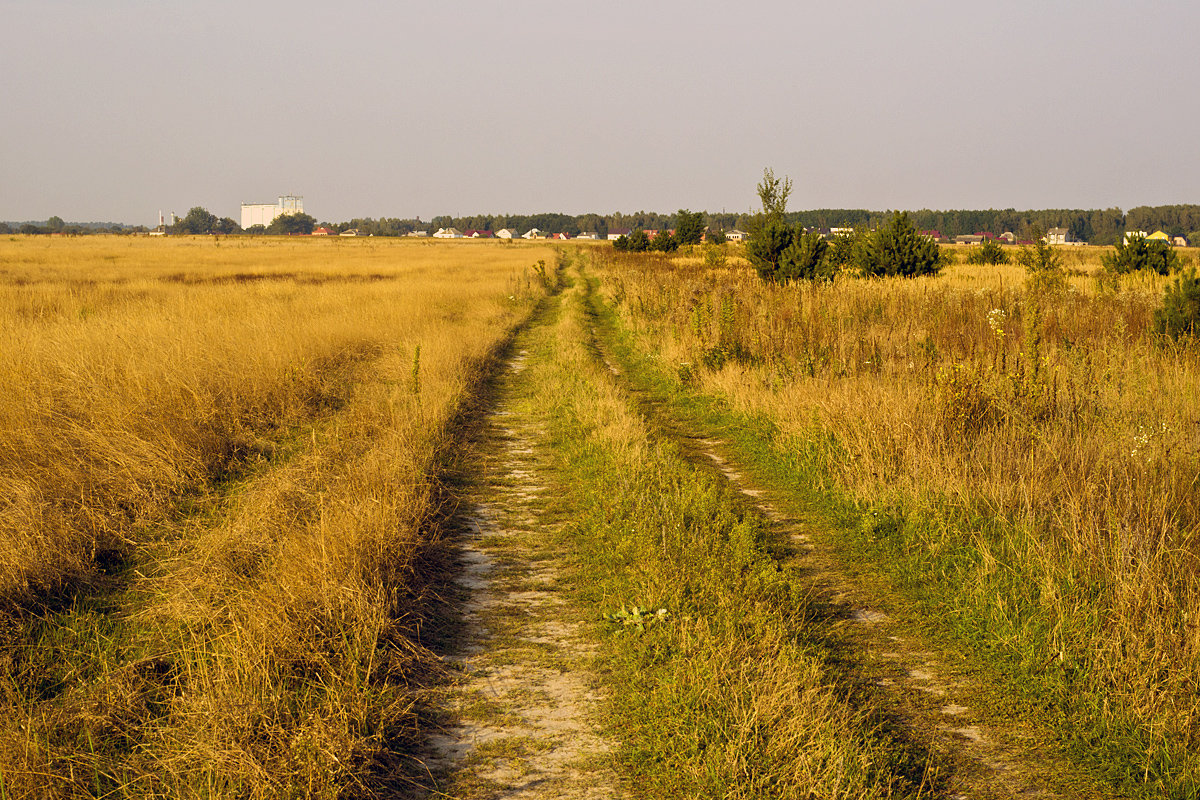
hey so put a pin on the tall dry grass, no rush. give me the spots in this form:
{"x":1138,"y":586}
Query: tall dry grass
{"x":1059,"y":447}
{"x":218,"y":516}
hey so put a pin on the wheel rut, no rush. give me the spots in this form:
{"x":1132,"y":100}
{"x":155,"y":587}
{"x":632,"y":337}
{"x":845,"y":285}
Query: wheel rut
{"x":931,"y":690}
{"x":521,"y":712}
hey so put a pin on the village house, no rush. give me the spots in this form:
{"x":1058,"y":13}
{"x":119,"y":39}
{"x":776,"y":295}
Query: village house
{"x":475,"y":234}
{"x":506,"y":233}
{"x":617,"y":233}
{"x":1057,"y":236}
{"x":587,"y":235}
{"x":350,"y":232}
{"x":448,"y":233}
{"x":322,"y":231}
{"x":533,"y":233}
{"x":736,"y":236}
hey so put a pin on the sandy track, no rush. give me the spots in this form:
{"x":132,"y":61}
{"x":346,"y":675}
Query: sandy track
{"x":525,"y":702}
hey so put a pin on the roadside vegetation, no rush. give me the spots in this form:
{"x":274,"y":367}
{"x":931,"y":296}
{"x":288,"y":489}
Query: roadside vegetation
{"x":1014,"y":446}
{"x":219,"y":505}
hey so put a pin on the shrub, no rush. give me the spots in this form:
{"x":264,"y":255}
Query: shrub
{"x":841,"y":250}
{"x":768,"y":239}
{"x":1138,"y":253}
{"x":805,"y":258}
{"x":664,"y":242}
{"x":990,"y":252}
{"x":898,"y":249}
{"x":636,"y":242}
{"x":782,"y":254}
{"x":1180,"y":312}
{"x":715,"y":255}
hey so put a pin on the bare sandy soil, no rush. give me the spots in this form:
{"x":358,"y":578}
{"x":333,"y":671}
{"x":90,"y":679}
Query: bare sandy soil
{"x":526,"y":701}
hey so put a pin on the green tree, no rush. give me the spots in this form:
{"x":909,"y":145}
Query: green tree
{"x":292,"y":224}
{"x":770,"y":235}
{"x":806,"y":258}
{"x":1138,"y":253}
{"x":639,"y":242}
{"x":1180,"y":311}
{"x":841,"y":250}
{"x":774,"y":193}
{"x":689,"y":227}
{"x":197,"y":221}
{"x":635,"y":242}
{"x":768,"y":239}
{"x":226,"y":225}
{"x":55,"y":224}
{"x":898,"y":249}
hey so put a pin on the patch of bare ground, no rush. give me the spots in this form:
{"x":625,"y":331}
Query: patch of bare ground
{"x":520,"y":719}
{"x":932,"y":691}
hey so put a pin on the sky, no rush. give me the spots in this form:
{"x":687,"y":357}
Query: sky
{"x":112,"y":110}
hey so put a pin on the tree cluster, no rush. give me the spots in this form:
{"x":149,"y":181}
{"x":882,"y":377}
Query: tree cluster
{"x":640,"y":242}
{"x":782,"y":252}
{"x":200,"y":221}
{"x":56,"y":225}
{"x":299,"y":224}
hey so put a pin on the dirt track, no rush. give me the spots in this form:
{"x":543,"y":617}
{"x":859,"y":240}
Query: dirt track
{"x":525,"y":703}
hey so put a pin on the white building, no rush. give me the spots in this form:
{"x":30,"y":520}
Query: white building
{"x":448,"y":233}
{"x":265,"y":213}
{"x":505,"y":233}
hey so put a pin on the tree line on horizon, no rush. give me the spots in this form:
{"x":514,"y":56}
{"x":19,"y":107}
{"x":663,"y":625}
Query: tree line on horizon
{"x":1095,"y":226}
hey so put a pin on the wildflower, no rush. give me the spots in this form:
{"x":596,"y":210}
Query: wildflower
{"x":995,"y":320}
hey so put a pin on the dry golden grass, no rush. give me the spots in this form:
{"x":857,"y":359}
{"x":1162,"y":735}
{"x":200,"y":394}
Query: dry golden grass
{"x":940,"y":396}
{"x":218,"y":503}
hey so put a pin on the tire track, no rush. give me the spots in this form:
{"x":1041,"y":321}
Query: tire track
{"x":524,"y":705}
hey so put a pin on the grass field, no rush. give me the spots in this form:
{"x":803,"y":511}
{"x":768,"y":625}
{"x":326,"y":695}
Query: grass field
{"x":223,"y":515}
{"x":219,"y":506}
{"x":1026,"y":474}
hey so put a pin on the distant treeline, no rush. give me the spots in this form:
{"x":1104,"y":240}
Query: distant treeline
{"x":1097,"y":226}
{"x":56,"y":225}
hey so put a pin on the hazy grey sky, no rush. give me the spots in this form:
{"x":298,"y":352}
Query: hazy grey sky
{"x":113,"y":109}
